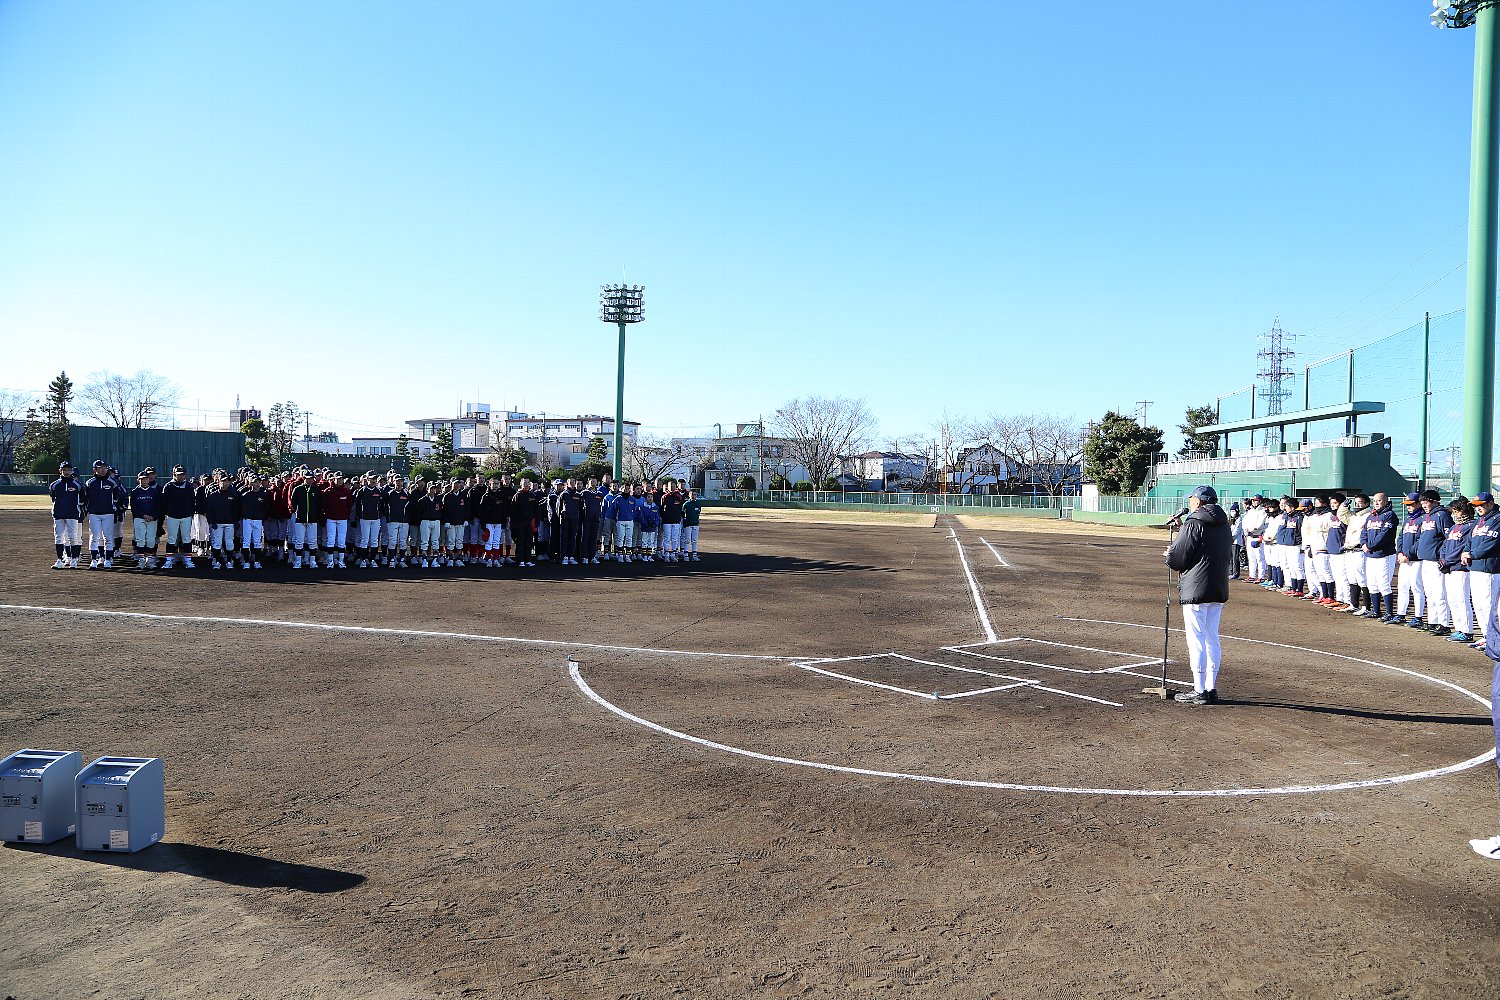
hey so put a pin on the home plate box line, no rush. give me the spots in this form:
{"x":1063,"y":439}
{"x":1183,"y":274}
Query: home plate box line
{"x":828,"y":667}
{"x":1133,"y":667}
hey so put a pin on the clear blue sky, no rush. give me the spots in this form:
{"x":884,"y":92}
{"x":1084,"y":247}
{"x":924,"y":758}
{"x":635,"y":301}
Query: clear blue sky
{"x":379,"y":208}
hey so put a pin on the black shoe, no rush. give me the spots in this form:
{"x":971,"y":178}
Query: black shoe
{"x":1440,"y":630}
{"x":1212,"y":696}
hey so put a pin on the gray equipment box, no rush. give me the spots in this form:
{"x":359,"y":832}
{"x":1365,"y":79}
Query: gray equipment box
{"x":37,"y":805}
{"x":122,"y":804}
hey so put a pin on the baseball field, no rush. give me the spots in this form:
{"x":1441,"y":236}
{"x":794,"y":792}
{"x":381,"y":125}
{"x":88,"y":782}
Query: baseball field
{"x":883,"y":758}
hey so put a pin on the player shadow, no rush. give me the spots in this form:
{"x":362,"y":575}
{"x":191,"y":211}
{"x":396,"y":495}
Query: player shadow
{"x":215,"y":864}
{"x":1363,"y":713}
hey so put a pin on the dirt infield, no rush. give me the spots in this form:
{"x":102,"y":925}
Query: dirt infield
{"x":744,"y":785}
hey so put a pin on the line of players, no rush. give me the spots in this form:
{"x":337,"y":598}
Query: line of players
{"x":308,"y":518}
{"x":1435,"y":569}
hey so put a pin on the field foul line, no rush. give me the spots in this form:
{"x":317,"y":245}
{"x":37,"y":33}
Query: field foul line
{"x":998,"y":557}
{"x":984,"y":615}
{"x":614,"y":709}
{"x":372,"y":630}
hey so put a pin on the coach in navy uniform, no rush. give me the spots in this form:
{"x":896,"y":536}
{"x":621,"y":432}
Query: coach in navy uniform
{"x":1201,"y":555}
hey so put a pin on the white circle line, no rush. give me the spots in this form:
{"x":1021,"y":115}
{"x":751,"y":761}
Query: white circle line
{"x":390,"y":631}
{"x":1343,"y":786}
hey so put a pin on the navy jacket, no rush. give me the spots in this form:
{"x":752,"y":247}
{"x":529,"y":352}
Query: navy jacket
{"x":369,"y":503}
{"x":1432,"y":529}
{"x":593,"y":504}
{"x":1380,"y":533}
{"x":67,"y":499}
{"x":103,"y":496}
{"x":255,"y":505}
{"x":1410,"y":528}
{"x":1484,"y":545}
{"x":426,"y":507}
{"x":396,"y":500}
{"x":1454,"y":543}
{"x":145,"y":501}
{"x":455,"y":508}
{"x":179,"y":499}
{"x":221,"y":505}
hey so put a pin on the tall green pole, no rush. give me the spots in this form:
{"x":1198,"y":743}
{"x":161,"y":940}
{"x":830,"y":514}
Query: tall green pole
{"x":620,"y":412}
{"x":1426,"y":393}
{"x":1479,"y":325}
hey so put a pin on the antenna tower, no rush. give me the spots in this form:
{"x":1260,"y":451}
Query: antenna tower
{"x":1275,"y":351}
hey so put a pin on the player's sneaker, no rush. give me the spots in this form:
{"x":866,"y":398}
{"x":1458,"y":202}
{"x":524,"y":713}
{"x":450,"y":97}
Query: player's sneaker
{"x":171,"y":563}
{"x":1460,"y":637}
{"x":1196,"y":697}
{"x":109,"y":563}
{"x":1416,"y":623}
{"x":1488,"y":848}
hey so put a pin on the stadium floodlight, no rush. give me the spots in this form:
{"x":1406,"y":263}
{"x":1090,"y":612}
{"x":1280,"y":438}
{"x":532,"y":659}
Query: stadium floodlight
{"x":1458,"y":13}
{"x":1479,"y":308}
{"x":621,"y":305}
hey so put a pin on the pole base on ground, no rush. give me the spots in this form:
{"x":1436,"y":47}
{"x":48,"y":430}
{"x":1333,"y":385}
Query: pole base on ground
{"x":1159,"y":692}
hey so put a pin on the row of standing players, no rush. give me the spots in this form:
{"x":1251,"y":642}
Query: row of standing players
{"x":308,"y":518}
{"x":1435,"y":569}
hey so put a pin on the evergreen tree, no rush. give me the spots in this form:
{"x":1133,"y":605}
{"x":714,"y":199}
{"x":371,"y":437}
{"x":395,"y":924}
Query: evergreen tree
{"x":1193,"y":443}
{"x":46,"y":441}
{"x":259,"y":455}
{"x":442,"y":449}
{"x":1117,"y":453}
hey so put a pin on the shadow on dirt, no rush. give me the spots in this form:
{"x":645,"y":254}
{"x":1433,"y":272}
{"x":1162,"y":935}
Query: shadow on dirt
{"x":1364,"y":713}
{"x":213,"y":863}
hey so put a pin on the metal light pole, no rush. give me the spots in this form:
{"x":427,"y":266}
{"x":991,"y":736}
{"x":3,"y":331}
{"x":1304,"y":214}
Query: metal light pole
{"x":1479,"y":318}
{"x":621,"y":305}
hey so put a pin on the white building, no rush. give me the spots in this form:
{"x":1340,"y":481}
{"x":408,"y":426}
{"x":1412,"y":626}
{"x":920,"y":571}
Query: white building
{"x":561,"y":442}
{"x":748,"y":452}
{"x":470,"y":429}
{"x":885,"y":469}
{"x":374,"y":447}
{"x":980,"y":470}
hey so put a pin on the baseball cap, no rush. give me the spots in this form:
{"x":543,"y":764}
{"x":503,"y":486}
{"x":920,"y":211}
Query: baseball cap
{"x":64,"y":465}
{"x":1257,"y":497}
{"x":1480,"y":498}
{"x":99,"y":463}
{"x":1412,"y":498}
{"x":1206,"y":494}
{"x":178,"y":468}
{"x":1305,"y":502}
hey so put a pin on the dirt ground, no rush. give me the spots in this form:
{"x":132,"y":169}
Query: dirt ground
{"x":393,"y":814}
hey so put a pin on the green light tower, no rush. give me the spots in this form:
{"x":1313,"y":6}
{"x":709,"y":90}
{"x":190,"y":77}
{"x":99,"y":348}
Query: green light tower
{"x":1479,"y":318}
{"x":621,"y":305}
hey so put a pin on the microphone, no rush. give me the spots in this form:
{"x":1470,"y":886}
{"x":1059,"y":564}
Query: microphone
{"x":1175,"y":521}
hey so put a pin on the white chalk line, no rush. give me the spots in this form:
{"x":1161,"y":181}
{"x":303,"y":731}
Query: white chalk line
{"x":998,"y":557}
{"x":1046,"y":642}
{"x":984,"y":615}
{"x":860,"y":680}
{"x":1321,"y":652}
{"x":609,"y":706}
{"x":373,"y":630}
{"x":968,"y":670}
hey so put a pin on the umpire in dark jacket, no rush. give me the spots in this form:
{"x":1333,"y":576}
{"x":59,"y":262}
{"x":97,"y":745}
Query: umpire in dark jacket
{"x":1202,"y":556}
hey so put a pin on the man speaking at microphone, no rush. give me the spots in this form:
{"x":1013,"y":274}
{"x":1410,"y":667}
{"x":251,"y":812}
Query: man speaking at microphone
{"x":1200,"y":556}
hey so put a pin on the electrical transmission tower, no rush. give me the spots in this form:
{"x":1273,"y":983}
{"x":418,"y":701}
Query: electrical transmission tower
{"x":1272,"y":356}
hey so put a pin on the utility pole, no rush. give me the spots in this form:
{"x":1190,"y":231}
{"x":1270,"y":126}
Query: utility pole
{"x":1144,"y":405}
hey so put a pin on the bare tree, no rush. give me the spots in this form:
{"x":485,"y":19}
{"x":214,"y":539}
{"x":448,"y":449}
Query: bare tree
{"x":1044,"y":452}
{"x":818,"y":432}
{"x":649,"y":457}
{"x":13,"y":407}
{"x":135,"y":401}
